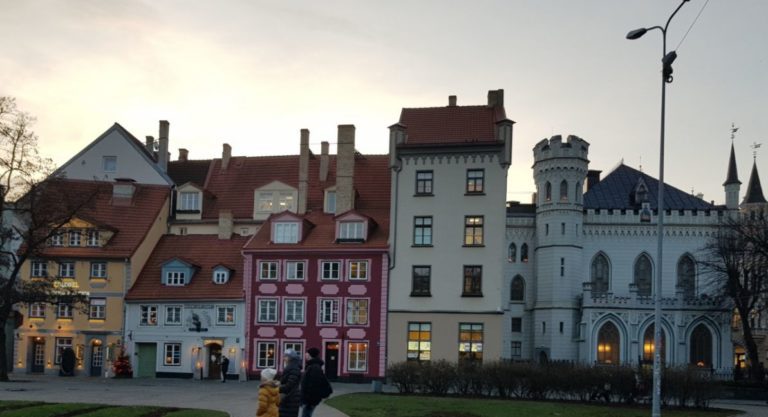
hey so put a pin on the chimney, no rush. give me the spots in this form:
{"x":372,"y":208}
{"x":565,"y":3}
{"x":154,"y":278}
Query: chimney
{"x":451,"y":101}
{"x":149,"y":143}
{"x":162,"y":149}
{"x":226,"y":155}
{"x":323,"y":161}
{"x":123,"y":190}
{"x":226,"y":224}
{"x":345,"y":169}
{"x":303,"y":170}
{"x":183,"y":155}
{"x":496,"y":98}
{"x":593,"y":177}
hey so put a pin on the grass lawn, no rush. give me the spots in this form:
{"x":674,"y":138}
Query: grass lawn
{"x":390,"y":405}
{"x":38,"y":409}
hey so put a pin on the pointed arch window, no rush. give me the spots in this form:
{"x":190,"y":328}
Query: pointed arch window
{"x":600,"y":274}
{"x":564,"y":190}
{"x":608,"y":348}
{"x":701,"y":347}
{"x":643,"y":275}
{"x":548,"y":191}
{"x":524,"y":253}
{"x":517,"y":292}
{"x":649,"y":347}
{"x":512,"y":253}
{"x":686,"y":276}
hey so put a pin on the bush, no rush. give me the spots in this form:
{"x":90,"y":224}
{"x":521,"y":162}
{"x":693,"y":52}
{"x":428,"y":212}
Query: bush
{"x":437,"y":378}
{"x":405,"y":376}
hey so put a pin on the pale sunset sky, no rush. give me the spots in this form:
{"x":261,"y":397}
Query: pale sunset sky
{"x":253,"y":73}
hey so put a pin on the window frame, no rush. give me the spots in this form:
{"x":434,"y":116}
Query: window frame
{"x":357,"y":311}
{"x":467,"y":333}
{"x":475,"y":184}
{"x":220,"y":276}
{"x":291,"y":313}
{"x":424,"y":186}
{"x":361,"y":364}
{"x":362,"y":274}
{"x":168,"y":321}
{"x":516,"y":325}
{"x":74,"y":238}
{"x":335,"y":311}
{"x":470,"y":288}
{"x":262,"y":346}
{"x":189,"y":202}
{"x":105,"y":162}
{"x":148,"y":315}
{"x":273,"y":309}
{"x":473,"y":224}
{"x":299,"y":270}
{"x":420,"y":227}
{"x":175,"y":278}
{"x":64,"y":311}
{"x":352,"y":231}
{"x":415,"y":347}
{"x":60,"y":345}
{"x":93,"y":238}
{"x":38,"y":269}
{"x":97,"y":309}
{"x":324,"y":270}
{"x":418,"y":281}
{"x":226,"y":321}
{"x":67,"y":271}
{"x":37,"y":310}
{"x":285,"y":232}
{"x":272,"y":275}
{"x":174,"y":348}
{"x":96,"y":266}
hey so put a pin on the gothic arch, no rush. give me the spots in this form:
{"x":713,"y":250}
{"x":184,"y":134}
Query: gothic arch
{"x":642,"y":274}
{"x":524,"y":252}
{"x":669,"y":341}
{"x":600,"y":273}
{"x":622,"y":332}
{"x":517,"y":289}
{"x":512,"y":253}
{"x":548,"y":191}
{"x":564,"y":190}
{"x":686,"y":275}
{"x":715,"y":337}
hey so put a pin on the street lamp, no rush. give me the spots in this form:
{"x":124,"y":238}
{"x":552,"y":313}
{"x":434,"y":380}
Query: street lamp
{"x":666,"y":77}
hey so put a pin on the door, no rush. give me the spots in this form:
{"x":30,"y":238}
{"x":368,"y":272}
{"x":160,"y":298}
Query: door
{"x":147,"y":359}
{"x":214,"y":361}
{"x":97,"y":358}
{"x":332,"y":360}
{"x":38,"y":355}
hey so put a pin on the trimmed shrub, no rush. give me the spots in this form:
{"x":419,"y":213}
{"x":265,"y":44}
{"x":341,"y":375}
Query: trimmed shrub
{"x":405,"y":376}
{"x":437,"y":378}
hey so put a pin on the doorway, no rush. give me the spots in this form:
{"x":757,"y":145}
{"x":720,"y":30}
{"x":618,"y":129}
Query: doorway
{"x":97,"y":357}
{"x":332,"y":360}
{"x":38,"y":355}
{"x":147,"y":353}
{"x":214,"y":361}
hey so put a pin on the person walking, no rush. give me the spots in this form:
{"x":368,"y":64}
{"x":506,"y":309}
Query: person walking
{"x":269,"y":394}
{"x":290,"y":384}
{"x":314,"y":384}
{"x":224,"y":367}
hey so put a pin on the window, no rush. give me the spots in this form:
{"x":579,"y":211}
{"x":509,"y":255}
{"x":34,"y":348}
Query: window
{"x":475,"y":181}
{"x":517,"y":349}
{"x":61,"y":344}
{"x":64,"y":311}
{"x":330,"y":270}
{"x":473,"y":230}
{"x":39,"y":269}
{"x":424,"y":182}
{"x":173,"y":316}
{"x":264,"y":202}
{"x":577,"y":192}
{"x":543,"y":327}
{"x":517,"y":289}
{"x":286,"y":232}
{"x":148,"y":315}
{"x":67,"y":269}
{"x":351,"y":231}
{"x":548,"y":191}
{"x":285,"y":202}
{"x":562,"y":327}
{"x":517,"y":324}
{"x":267,"y":311}
{"x":420,"y":284}
{"x":701,"y":347}
{"x":93,"y":238}
{"x":470,"y":342}
{"x":524,"y":253}
{"x":296,"y":346}
{"x":265,"y":355}
{"x":330,"y":201}
{"x":562,"y":267}
{"x":74,"y":237}
{"x":294,"y":270}
{"x":422,"y":231}
{"x":564,"y":191}
{"x":109,"y":163}
{"x":608,"y":344}
{"x":686,"y":276}
{"x":546,"y":229}
{"x":512,"y":253}
{"x":419,"y":341}
{"x":357,"y":311}
{"x":358,"y":270}
{"x":473,"y":279}
{"x":189,"y":201}
{"x":649,"y":347}
{"x":97,"y":309}
{"x":225,"y":315}
{"x":220,"y":276}
{"x":268,"y":270}
{"x":37,"y":310}
{"x":562,"y":228}
{"x":57,"y":239}
{"x":329,"y":311}
{"x":358,"y":356}
{"x":172,"y":354}
{"x":643,"y":274}
{"x":98,"y":269}
{"x":294,"y":311}
{"x":601,"y":275}
{"x":175,"y":278}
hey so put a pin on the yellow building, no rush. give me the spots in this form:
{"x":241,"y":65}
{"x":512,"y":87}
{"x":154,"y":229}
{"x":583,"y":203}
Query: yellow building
{"x":100,"y":252}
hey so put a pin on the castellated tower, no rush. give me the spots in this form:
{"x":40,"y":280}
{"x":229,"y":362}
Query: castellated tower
{"x":560,"y":170}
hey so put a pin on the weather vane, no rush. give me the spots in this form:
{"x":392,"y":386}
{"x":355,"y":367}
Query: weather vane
{"x":754,"y":147}
{"x":734,"y":129}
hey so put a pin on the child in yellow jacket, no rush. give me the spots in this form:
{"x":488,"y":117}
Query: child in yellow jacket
{"x":269,"y":394}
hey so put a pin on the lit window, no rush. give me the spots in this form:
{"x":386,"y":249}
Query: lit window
{"x":39,"y":269}
{"x":475,"y":181}
{"x":294,"y":270}
{"x":286,"y":232}
{"x":265,"y":354}
{"x":264,"y":202}
{"x":189,"y":201}
{"x":62,"y":343}
{"x":358,"y":270}
{"x":175,"y":278}
{"x":294,"y":311}
{"x":329,"y":311}
{"x":330,"y":270}
{"x":98,"y":269}
{"x":358,"y":357}
{"x":351,"y":231}
{"x":173,"y":315}
{"x":473,"y":230}
{"x":357,"y":311}
{"x":470,"y":342}
{"x":148,"y":315}
{"x":225,"y":315}
{"x":608,"y":344}
{"x":109,"y":163}
{"x":74,"y":238}
{"x":267,"y":311}
{"x":97,"y":309}
{"x":172,"y":354}
{"x":419,"y":341}
{"x":285,"y":202}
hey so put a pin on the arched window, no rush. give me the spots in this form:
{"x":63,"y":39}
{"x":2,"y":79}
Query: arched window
{"x":517,"y":292}
{"x":686,"y":276}
{"x":643,"y":275}
{"x":548,"y":192}
{"x":512,"y":253}
{"x":649,"y":346}
{"x":601,"y":274}
{"x":524,"y":253}
{"x":577,"y":192}
{"x":701,"y":347}
{"x":564,"y":191}
{"x":608,"y":349}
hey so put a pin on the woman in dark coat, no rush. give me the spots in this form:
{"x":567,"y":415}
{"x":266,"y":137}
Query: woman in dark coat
{"x":290,"y":384}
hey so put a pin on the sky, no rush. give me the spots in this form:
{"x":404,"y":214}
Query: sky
{"x":253,"y":73}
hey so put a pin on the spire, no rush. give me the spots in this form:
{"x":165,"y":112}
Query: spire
{"x":733,"y":176}
{"x":754,"y":189}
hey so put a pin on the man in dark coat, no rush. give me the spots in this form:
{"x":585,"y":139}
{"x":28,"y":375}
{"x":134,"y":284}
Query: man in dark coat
{"x":224,"y":368}
{"x":314,"y":385}
{"x":290,"y":384}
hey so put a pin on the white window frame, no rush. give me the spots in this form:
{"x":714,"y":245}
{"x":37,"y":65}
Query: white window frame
{"x":39,"y":269}
{"x":94,"y":238}
{"x":67,"y":269}
{"x":189,"y":201}
{"x":357,"y":270}
{"x":295,"y":270}
{"x":357,"y":361}
{"x":98,"y":269}
{"x":75,"y":237}
{"x":285,"y":232}
{"x":97,"y":309}
{"x":37,"y":311}
{"x":329,"y":277}
{"x":329,"y":307}
{"x":177,"y":312}
{"x":267,"y":307}
{"x":265,"y":202}
{"x":175,"y":278}
{"x":105,"y":163}
{"x":57,"y":239}
{"x":61,"y":344}
{"x":64,"y":311}
{"x":272,"y":270}
{"x":285,"y":201}
{"x":225,"y":322}
{"x":352,"y":230}
{"x":295,"y":309}
{"x":172,"y":351}
{"x":148,"y":315}
{"x":355,"y":308}
{"x":266,"y":362}
{"x":220,"y":276}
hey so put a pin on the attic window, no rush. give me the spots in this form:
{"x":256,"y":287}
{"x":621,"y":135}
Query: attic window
{"x":220,"y":276}
{"x":641,"y":192}
{"x":176,"y":278}
{"x":352,"y":231}
{"x":286,"y":232}
{"x":93,"y":237}
{"x":109,"y":163}
{"x":330,"y":202}
{"x":189,"y":201}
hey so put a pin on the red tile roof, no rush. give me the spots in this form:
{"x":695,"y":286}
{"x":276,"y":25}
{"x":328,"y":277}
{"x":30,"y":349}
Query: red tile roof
{"x":205,"y":251}
{"x":451,"y":124}
{"x":130,"y":222}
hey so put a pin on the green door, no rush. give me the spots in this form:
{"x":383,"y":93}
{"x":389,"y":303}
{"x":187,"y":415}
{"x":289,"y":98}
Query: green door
{"x":147,"y":357}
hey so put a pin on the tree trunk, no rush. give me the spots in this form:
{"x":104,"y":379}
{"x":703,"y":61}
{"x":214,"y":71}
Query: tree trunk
{"x":755,"y":367}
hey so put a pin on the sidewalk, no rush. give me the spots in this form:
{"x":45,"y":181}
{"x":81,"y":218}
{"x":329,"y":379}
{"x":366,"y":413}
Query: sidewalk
{"x":750,"y":408}
{"x":239,"y":399}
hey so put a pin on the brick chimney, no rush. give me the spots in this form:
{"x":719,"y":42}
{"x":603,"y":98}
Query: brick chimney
{"x":149,"y":143}
{"x":183,"y":154}
{"x":451,"y":101}
{"x":345,"y":169}
{"x":323,"y":161}
{"x":226,"y":224}
{"x":303,"y":171}
{"x":226,"y":155}
{"x":496,"y":98}
{"x":162,"y":149}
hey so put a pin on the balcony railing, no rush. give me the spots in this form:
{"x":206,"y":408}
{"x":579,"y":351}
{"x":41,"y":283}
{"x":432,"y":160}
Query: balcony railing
{"x":635,"y":300}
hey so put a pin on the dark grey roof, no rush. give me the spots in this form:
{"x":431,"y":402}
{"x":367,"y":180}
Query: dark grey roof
{"x":754,"y":189}
{"x":733,"y":176}
{"x":514,"y":207}
{"x":617,"y":189}
{"x":194,"y":171}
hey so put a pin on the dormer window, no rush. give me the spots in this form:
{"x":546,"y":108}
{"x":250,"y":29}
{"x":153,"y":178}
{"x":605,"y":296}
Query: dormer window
{"x":285,"y":232}
{"x":220,"y":275}
{"x":275,"y":197}
{"x":189,"y":201}
{"x":352,"y":231}
{"x":57,"y":239}
{"x":330,"y":201}
{"x":175,"y":278}
{"x":74,"y":238}
{"x":93,"y":238}
{"x":641,"y":192}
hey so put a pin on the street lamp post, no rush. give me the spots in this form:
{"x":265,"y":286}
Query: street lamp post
{"x":666,"y":77}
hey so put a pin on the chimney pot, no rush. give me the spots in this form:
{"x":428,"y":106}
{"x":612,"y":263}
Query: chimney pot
{"x":183,"y":154}
{"x":345,"y":169}
{"x":149,"y":143}
{"x":496,"y":98}
{"x":162,"y":149}
{"x":303,"y":171}
{"x":451,"y":101}
{"x":226,"y":155}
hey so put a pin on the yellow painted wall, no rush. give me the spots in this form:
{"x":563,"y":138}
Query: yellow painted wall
{"x":140,"y":256}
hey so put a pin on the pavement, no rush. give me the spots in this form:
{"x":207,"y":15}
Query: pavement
{"x":239,"y":399}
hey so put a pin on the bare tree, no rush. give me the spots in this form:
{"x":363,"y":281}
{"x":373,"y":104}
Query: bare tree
{"x":737,"y":260}
{"x":33,"y":207}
